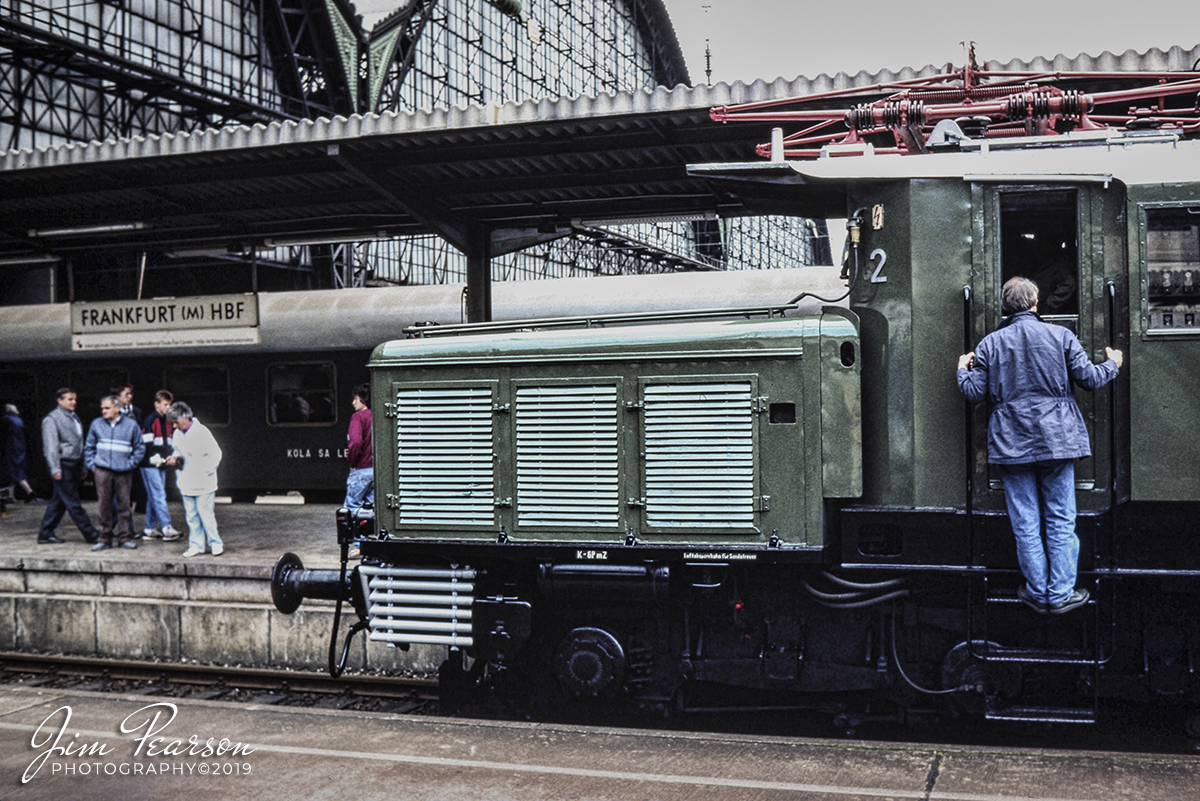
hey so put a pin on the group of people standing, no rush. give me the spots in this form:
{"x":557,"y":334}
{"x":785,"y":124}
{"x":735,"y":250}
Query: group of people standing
{"x":118,"y":444}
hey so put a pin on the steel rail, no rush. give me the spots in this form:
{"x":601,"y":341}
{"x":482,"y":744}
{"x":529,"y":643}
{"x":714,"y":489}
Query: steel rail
{"x":232,"y":677}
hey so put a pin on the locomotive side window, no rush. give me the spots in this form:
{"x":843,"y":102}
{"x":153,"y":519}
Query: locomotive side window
{"x":205,"y":388}
{"x":783,"y":414}
{"x":303,"y":393}
{"x":1039,"y":240}
{"x":1172,"y":268}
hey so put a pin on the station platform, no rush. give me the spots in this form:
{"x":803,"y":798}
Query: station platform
{"x":279,"y":752}
{"x":152,"y":603}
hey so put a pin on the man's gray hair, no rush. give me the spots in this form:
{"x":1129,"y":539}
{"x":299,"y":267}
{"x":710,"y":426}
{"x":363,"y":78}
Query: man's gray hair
{"x":179,"y":409}
{"x":113,"y":399}
{"x":11,"y":408}
{"x":1017,"y":295}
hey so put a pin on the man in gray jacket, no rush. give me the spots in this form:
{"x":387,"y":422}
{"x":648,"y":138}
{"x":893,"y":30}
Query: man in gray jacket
{"x":62,"y":445}
{"x":112,"y":451}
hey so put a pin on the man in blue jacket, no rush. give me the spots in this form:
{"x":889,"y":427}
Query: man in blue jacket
{"x":1035,"y":433}
{"x":112,"y":451}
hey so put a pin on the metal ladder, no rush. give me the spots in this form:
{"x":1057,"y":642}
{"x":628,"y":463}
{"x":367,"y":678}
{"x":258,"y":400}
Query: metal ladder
{"x":1041,"y":646}
{"x":1092,"y":653}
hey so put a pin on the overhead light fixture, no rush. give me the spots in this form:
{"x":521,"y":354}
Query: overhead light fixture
{"x":645,"y":218}
{"x":32,"y":258}
{"x":214,"y":251}
{"x":325,"y":239}
{"x":82,"y":230}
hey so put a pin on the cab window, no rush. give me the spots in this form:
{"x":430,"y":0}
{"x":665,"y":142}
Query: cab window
{"x":1172,"y":268}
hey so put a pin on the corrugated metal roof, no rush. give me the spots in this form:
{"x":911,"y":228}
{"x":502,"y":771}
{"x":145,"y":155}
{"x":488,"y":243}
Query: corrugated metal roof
{"x":463,"y":119}
{"x":527,"y":166}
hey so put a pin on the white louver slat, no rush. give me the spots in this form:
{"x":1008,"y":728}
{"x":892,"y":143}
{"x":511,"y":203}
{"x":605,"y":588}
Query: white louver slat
{"x":445,"y":470}
{"x":567,"y":456}
{"x":439,"y":615}
{"x":699,"y":455}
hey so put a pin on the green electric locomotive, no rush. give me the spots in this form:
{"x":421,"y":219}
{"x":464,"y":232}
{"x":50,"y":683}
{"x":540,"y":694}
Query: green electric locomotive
{"x":797,"y":509}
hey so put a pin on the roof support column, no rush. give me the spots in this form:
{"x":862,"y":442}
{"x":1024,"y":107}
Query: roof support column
{"x":479,"y":275}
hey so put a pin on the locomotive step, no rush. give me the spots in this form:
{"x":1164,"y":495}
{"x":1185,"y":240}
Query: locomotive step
{"x":1010,"y":597}
{"x":1025,"y":654}
{"x":1043,"y":714}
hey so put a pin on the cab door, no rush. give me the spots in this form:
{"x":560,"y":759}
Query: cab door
{"x":1066,"y":239}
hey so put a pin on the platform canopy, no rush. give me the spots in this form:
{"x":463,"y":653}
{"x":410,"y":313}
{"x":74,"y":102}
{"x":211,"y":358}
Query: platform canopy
{"x":494,"y":177}
{"x":522,"y":172}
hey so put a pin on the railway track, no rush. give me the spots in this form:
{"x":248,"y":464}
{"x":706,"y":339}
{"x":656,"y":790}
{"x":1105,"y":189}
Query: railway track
{"x":419,"y":696}
{"x":404,"y":694}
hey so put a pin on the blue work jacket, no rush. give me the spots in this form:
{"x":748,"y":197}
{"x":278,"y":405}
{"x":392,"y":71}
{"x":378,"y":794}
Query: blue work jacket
{"x":114,"y":446}
{"x":1024,"y":369}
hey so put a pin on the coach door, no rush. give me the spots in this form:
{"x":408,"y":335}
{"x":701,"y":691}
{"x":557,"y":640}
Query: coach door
{"x":1066,"y":239}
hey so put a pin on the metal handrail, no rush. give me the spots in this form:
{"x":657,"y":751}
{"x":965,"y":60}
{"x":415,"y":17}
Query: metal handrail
{"x":598,"y":321}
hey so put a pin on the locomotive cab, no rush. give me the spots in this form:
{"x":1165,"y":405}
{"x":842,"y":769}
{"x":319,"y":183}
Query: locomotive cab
{"x":937,"y":252}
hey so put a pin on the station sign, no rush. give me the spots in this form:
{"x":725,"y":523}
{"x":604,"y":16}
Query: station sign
{"x":205,"y":321}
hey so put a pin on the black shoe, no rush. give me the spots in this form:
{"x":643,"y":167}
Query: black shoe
{"x":49,"y":538}
{"x":1073,"y":601}
{"x":101,"y":546}
{"x":1027,"y":599}
{"x":91,"y":539}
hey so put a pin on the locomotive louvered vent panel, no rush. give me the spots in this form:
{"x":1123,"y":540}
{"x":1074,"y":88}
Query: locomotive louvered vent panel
{"x":419,"y":604}
{"x":699,"y":443}
{"x":444,"y":468}
{"x":567,"y":457}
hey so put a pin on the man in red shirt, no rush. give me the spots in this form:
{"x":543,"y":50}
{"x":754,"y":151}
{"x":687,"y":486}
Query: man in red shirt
{"x":360,"y":484}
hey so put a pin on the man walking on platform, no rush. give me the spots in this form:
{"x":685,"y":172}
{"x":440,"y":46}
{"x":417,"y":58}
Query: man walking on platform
{"x":112,"y":451}
{"x":62,"y":445}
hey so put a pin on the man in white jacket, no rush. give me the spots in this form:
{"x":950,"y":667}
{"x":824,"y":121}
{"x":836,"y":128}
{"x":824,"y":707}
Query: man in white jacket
{"x":196,"y":455}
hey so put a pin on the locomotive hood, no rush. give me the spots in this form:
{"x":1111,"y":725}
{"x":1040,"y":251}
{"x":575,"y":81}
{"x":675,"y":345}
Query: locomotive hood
{"x":697,"y":340}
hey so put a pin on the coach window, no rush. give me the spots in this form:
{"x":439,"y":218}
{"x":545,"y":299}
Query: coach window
{"x":302,"y":393}
{"x":91,"y":384}
{"x":20,"y":387}
{"x":1039,"y":240}
{"x":204,"y":388}
{"x":1172,"y":268}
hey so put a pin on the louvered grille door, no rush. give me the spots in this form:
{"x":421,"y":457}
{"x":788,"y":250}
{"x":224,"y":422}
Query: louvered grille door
{"x":698,"y":440}
{"x":567,"y":457}
{"x":444,"y":455}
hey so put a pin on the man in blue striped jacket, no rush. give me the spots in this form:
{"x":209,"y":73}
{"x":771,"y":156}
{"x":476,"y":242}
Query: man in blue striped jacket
{"x":112,"y":451}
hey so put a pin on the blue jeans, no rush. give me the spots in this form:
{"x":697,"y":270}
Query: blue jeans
{"x":157,"y":514}
{"x":1055,"y":482}
{"x":201,"y":520}
{"x":360,"y":488}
